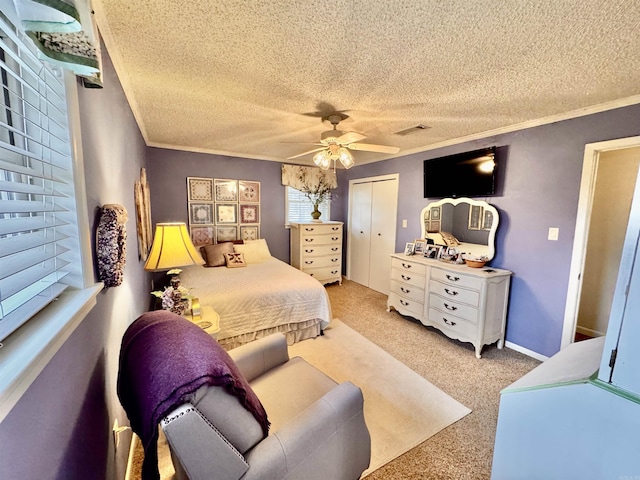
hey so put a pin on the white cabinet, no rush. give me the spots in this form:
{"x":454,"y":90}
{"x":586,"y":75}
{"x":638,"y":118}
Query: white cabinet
{"x":316,"y":249}
{"x":372,"y":230}
{"x":468,"y":304}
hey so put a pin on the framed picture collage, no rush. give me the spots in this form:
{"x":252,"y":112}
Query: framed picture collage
{"x":223,"y":210}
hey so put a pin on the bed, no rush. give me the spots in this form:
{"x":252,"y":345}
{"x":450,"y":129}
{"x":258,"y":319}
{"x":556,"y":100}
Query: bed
{"x":261,"y":297}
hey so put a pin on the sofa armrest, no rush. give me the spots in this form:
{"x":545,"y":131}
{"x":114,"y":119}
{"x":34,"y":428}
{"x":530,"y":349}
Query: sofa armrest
{"x":328,"y":440}
{"x":257,"y":357}
{"x":199,"y":447}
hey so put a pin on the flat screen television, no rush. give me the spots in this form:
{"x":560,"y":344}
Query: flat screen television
{"x":468,"y":174}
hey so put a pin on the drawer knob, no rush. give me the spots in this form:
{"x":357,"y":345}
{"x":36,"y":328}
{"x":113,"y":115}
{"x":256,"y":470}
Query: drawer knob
{"x":451,"y":292}
{"x":308,"y":262}
{"x":335,"y":228}
{"x":449,"y":322}
{"x":335,"y":260}
{"x":309,"y":229}
{"x":406,"y":265}
{"x":308,"y":250}
{"x":334,"y":272}
{"x":334,"y":238}
{"x":404,"y":303}
{"x":452,"y":278}
{"x":308,"y":240}
{"x":335,"y":249}
{"x":404,"y":277}
{"x":453,"y":308}
{"x":405,"y":290}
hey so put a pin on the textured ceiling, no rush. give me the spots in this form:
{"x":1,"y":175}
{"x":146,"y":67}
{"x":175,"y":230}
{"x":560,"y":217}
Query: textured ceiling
{"x":252,"y":78}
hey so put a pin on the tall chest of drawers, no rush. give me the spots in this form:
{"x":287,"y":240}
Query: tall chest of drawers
{"x":316,"y":249}
{"x":468,"y":304}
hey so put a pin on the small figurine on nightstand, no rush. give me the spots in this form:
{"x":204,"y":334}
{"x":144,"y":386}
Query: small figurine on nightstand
{"x":175,"y":297}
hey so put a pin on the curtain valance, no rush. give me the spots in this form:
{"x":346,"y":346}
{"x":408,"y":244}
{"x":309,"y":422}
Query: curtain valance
{"x":309,"y":179}
{"x":65,"y":35}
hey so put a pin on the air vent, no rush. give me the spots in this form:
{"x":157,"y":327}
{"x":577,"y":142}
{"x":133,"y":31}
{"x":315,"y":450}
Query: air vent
{"x":408,"y":131}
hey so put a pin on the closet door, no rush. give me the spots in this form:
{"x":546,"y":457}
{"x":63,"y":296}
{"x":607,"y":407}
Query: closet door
{"x":360,"y":232}
{"x":384,"y":205}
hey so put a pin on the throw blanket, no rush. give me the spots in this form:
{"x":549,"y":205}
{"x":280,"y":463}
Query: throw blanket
{"x":164,"y":358}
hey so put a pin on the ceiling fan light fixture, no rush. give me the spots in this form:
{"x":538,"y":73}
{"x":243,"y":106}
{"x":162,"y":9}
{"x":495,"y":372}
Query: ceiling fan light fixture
{"x":322,"y":159}
{"x":345,"y":157}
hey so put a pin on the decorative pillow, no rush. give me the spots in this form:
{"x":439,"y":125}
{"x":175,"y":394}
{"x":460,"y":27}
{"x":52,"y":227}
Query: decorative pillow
{"x":252,"y":252}
{"x":235,"y":260}
{"x":449,"y":239}
{"x":262,"y":247}
{"x":214,"y":254}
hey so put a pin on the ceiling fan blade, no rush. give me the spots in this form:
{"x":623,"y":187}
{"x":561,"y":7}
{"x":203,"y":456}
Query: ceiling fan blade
{"x":368,"y":147}
{"x":350,"y":137}
{"x":306,"y":153}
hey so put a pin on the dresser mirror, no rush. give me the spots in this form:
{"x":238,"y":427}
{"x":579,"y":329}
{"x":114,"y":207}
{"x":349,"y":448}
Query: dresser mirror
{"x":473,"y":223}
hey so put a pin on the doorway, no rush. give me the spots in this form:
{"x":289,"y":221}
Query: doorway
{"x":592,"y":277}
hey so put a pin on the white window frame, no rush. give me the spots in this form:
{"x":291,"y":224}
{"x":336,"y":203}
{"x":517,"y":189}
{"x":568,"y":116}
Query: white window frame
{"x":27,"y":351}
{"x":305,"y":203}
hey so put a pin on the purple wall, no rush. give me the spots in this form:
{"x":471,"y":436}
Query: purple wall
{"x":168,"y":172}
{"x":541,"y":170}
{"x":61,"y":427}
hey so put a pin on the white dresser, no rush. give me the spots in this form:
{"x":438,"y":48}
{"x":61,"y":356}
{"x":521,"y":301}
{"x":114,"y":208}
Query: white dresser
{"x":316,"y":249}
{"x":468,"y":304}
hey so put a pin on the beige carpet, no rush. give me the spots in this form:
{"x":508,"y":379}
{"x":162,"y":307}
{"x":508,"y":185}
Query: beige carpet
{"x":401,"y":408}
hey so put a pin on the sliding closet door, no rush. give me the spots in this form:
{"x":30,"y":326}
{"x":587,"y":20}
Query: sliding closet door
{"x":360,"y":232}
{"x":373,"y":204}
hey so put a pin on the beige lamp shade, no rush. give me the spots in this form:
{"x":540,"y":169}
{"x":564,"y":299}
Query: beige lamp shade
{"x":172,"y":248}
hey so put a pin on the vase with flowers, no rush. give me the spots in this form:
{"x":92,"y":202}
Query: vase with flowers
{"x":175,"y":297}
{"x":318,"y":194}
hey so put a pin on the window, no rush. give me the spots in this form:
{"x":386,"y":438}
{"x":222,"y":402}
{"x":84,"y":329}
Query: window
{"x":299,"y":207}
{"x":39,"y":248}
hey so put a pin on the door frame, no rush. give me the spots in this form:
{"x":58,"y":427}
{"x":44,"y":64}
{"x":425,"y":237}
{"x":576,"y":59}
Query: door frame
{"x":379,"y":178}
{"x":583,"y":219}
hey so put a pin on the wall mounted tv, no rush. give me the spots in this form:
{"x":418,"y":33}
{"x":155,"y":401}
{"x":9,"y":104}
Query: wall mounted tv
{"x":468,"y":174}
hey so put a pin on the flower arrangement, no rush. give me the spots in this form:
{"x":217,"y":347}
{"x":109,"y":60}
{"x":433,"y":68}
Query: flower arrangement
{"x":175,"y":297}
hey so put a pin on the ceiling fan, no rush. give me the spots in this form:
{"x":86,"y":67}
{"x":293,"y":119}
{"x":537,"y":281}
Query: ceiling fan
{"x":335,"y":145}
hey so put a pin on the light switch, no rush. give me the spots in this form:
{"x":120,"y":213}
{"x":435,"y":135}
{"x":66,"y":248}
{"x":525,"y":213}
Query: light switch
{"x":404,"y":223}
{"x":553,"y":233}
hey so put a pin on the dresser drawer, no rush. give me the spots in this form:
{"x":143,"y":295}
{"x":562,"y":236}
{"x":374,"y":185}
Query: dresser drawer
{"x":326,"y":261}
{"x":452,"y":323}
{"x":450,"y":307}
{"x":325,"y":273}
{"x":404,"y":276}
{"x":408,"y":266}
{"x":316,"y":250}
{"x":320,"y":229}
{"x":455,"y":278}
{"x":408,"y":291}
{"x":333,"y":239}
{"x":462,"y":295}
{"x":404,"y":305}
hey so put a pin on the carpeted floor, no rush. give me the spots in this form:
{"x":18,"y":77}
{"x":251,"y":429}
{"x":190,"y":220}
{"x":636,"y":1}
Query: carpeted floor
{"x":463,"y":450}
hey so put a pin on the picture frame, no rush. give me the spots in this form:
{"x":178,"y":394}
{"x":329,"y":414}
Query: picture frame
{"x":409,"y":248}
{"x":226,"y":213}
{"x":226,"y":233}
{"x":435,"y":213}
{"x":249,"y":232}
{"x":487,"y":220}
{"x":200,"y":213}
{"x":226,"y":190}
{"x":249,"y":191}
{"x":434,"y":226}
{"x":199,"y":189}
{"x":249,"y":213}
{"x":475,"y":217}
{"x":201,"y":236}
{"x":427,"y":215}
{"x":419,"y":245}
{"x":432,"y":251}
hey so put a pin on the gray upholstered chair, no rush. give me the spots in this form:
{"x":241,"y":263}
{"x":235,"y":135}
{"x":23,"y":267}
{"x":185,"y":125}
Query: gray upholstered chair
{"x":317,"y":426}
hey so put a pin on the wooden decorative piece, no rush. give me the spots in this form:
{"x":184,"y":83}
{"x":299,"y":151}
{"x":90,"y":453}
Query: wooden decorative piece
{"x":142,"y":197}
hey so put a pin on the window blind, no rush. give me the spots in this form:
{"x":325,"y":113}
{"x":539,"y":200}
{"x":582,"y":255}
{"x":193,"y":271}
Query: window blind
{"x":299,"y":207}
{"x":37,"y":213}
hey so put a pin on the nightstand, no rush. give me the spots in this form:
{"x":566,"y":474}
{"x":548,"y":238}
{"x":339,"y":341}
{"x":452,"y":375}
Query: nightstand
{"x":205,"y":317}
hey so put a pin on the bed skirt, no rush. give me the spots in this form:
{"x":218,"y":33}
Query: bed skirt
{"x":295,"y":332}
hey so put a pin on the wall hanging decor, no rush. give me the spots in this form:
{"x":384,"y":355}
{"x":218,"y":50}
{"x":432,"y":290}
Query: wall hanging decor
{"x":111,"y":239}
{"x":222,"y":210}
{"x":143,"y":215}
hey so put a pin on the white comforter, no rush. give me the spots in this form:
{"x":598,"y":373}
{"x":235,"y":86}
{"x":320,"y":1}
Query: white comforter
{"x":259,"y":296}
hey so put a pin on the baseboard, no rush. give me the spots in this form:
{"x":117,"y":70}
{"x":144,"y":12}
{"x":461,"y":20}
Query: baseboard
{"x":132,"y":449}
{"x":589,"y":332}
{"x":526,"y":351}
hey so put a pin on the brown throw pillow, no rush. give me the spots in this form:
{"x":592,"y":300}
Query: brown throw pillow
{"x":235,"y":260}
{"x":214,"y":254}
